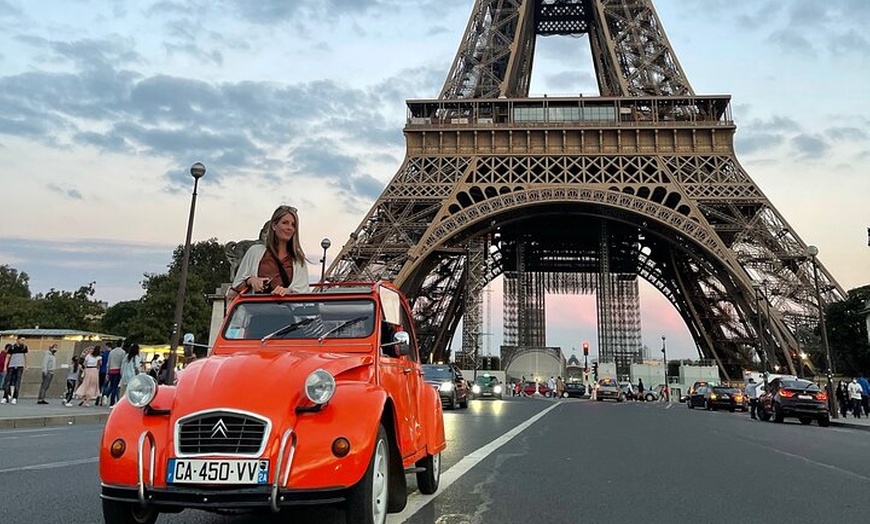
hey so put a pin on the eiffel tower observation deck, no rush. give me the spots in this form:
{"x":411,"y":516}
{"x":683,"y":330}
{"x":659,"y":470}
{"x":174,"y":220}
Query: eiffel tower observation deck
{"x":585,"y":195}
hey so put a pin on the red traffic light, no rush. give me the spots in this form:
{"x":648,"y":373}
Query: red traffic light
{"x":586,"y":349}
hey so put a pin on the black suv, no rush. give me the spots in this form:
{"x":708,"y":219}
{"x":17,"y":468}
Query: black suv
{"x":448,"y":380}
{"x":794,"y":397}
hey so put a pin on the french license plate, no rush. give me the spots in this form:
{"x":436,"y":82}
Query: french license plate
{"x":805,"y":397}
{"x":217,"y":471}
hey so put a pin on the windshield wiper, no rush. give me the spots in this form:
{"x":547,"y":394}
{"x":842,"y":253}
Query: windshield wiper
{"x":287,"y":329}
{"x":340,"y":326}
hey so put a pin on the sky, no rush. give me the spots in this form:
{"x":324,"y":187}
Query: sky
{"x":105,"y":105}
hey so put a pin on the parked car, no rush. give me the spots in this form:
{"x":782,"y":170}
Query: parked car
{"x":694,"y":387}
{"x":530,"y":387}
{"x":608,"y":388}
{"x":629,"y":390}
{"x":651,"y":395}
{"x":575,"y":389}
{"x":449,"y":382}
{"x":717,"y":397}
{"x":301,"y":401}
{"x":487,"y":386}
{"x":794,"y":397}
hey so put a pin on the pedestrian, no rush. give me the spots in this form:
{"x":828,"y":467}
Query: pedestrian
{"x":752,"y":393}
{"x":640,"y":388}
{"x":90,"y":386}
{"x":855,"y":397}
{"x":15,"y":371}
{"x":551,"y":386}
{"x":842,"y":395}
{"x":49,"y":365}
{"x":72,"y":379}
{"x":104,"y":370}
{"x":865,"y":394}
{"x":4,"y":359}
{"x":560,"y":387}
{"x":131,"y":366}
{"x":113,"y":373}
{"x":278,"y":265}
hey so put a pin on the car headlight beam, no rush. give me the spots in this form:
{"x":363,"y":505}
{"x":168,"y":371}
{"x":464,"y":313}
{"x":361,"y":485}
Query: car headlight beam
{"x":141,"y":390}
{"x":320,"y":386}
{"x":446,"y":386}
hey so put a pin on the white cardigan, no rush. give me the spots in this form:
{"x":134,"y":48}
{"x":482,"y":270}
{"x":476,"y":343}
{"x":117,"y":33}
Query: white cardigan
{"x":250,"y":264}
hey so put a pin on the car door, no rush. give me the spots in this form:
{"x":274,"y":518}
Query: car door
{"x":400,"y":374}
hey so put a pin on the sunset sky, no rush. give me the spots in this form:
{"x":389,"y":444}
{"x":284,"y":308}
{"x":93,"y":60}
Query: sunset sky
{"x":104,"y":105}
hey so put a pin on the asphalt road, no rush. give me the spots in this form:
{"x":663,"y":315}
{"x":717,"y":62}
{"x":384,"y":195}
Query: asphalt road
{"x":535,"y":460}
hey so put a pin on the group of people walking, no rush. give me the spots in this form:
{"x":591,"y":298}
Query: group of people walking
{"x":854,"y":397}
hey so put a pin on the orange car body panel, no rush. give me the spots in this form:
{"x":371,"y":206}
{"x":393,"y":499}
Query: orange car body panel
{"x":267,"y":379}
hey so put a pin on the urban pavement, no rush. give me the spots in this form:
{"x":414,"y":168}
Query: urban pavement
{"x":28,"y":414}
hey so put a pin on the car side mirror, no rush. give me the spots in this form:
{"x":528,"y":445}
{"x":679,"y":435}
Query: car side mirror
{"x":403,"y":341}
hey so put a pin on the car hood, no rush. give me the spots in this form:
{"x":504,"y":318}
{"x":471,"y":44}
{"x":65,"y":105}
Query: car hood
{"x":261,"y":381}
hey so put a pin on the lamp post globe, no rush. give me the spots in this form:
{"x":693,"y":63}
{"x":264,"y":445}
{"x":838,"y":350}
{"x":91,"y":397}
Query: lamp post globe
{"x":325,"y":243}
{"x":197,"y":171}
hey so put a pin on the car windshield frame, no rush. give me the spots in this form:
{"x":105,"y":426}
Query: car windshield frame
{"x":298,"y":320}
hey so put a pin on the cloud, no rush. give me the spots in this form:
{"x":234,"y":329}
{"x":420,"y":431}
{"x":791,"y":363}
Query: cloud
{"x":749,"y":143}
{"x":810,"y":146}
{"x":846,"y":134}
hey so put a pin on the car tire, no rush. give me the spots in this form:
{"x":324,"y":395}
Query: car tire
{"x":650,"y":398}
{"x":367,"y":499}
{"x":777,"y":413}
{"x":825,"y":421}
{"x":430,"y":477}
{"x":707,"y":406}
{"x":464,"y":403}
{"x":689,"y":403}
{"x":116,"y":512}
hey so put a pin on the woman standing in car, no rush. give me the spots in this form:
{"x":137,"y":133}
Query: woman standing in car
{"x":278,"y":266}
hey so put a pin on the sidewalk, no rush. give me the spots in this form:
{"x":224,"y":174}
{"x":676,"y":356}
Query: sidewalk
{"x":28,"y":414}
{"x":851,"y":422}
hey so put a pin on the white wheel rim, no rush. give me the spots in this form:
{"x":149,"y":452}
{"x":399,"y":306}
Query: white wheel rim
{"x":436,"y":467}
{"x":379,"y":483}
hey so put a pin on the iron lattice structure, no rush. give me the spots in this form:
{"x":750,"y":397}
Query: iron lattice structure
{"x":586,"y":193}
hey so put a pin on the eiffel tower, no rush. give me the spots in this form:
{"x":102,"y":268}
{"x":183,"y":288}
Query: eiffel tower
{"x":586,"y":195}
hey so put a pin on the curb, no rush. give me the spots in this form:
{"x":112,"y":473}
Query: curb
{"x":850,"y":425}
{"x":56,"y":420}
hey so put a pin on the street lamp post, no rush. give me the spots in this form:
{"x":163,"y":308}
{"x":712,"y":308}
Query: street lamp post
{"x":666,"y":389}
{"x":325,"y":243}
{"x":812,"y":251}
{"x":197,"y":171}
{"x":759,"y":295}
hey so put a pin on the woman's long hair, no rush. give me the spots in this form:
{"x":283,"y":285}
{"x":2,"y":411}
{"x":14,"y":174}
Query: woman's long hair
{"x":132,"y":351}
{"x":294,"y":249}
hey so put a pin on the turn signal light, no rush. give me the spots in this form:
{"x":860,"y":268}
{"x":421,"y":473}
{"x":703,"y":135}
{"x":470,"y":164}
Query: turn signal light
{"x":118,"y":448}
{"x":821,"y":396}
{"x":340,"y":447}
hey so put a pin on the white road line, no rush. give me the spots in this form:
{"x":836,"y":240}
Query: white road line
{"x":51,"y":465}
{"x":416,"y":500}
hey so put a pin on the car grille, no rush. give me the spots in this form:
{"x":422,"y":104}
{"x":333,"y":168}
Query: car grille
{"x":221,"y":433}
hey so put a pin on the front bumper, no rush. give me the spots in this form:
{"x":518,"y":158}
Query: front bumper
{"x":174,"y":498}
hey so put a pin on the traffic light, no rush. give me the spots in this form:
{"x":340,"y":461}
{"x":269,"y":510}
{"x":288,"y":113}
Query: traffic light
{"x":586,"y":349}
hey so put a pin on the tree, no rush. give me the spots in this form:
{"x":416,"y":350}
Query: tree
{"x":208,"y":259}
{"x":847,"y":333}
{"x":13,"y":283}
{"x":67,"y":310}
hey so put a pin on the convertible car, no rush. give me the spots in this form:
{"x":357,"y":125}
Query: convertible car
{"x":304,"y":399}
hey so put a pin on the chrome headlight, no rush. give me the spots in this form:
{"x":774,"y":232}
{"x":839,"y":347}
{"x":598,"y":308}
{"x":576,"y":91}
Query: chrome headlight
{"x":141,"y":390}
{"x":446,"y":386}
{"x":320,"y":386}
{"x":497,"y":389}
{"x":475,"y":389}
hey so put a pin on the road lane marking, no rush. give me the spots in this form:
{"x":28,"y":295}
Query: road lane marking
{"x":416,"y":500}
{"x":51,"y":465}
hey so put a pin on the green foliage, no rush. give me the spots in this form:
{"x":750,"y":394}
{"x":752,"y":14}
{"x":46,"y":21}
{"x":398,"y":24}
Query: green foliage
{"x":208,"y":260}
{"x":67,"y":310}
{"x":847,"y":333}
{"x":13,"y":284}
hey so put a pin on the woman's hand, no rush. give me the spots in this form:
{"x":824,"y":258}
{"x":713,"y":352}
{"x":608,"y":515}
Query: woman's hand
{"x":281,"y":291}
{"x":257,"y":283}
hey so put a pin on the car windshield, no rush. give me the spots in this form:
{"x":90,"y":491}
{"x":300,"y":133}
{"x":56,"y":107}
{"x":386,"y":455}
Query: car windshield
{"x":608,"y":383}
{"x":437,"y":372}
{"x":340,"y":319}
{"x":486,"y":381}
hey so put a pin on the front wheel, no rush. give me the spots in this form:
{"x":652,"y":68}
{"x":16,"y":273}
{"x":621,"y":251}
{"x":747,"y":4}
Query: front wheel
{"x":428,"y":480}
{"x":115,"y":512}
{"x":367,"y":500}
